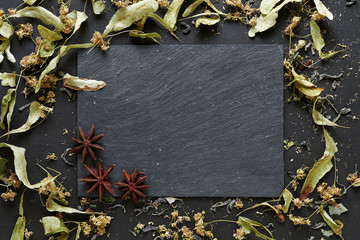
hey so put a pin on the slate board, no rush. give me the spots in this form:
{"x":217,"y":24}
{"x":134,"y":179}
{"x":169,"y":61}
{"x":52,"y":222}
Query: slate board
{"x":200,"y":120}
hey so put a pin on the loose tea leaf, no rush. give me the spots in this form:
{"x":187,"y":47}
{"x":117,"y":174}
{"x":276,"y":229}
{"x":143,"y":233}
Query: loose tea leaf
{"x":52,"y":206}
{"x":207,"y":20}
{"x":20,"y":167}
{"x":319,"y":119}
{"x":162,"y":22}
{"x":5,"y":48}
{"x":42,"y":14}
{"x":336,"y":225}
{"x":6,"y":30}
{"x":320,"y":168}
{"x":52,"y":65}
{"x":172,"y":13}
{"x":249,"y":225}
{"x":266,"y":21}
{"x":78,"y":18}
{"x":53,"y":225}
{"x":323,"y":10}
{"x":192,"y":8}
{"x":46,"y":48}
{"x":126,"y":16}
{"x":267,"y":5}
{"x":48,"y":34}
{"x":139,"y":34}
{"x":8,"y":79}
{"x":98,"y":6}
{"x":287,"y":195}
{"x":82,"y":84}
{"x":19,"y":229}
{"x":337,"y":209}
{"x":7,"y":106}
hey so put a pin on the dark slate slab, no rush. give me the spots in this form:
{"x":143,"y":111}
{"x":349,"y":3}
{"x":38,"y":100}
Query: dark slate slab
{"x":200,"y":120}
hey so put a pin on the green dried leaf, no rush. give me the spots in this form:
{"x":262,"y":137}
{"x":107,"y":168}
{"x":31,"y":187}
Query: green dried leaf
{"x":192,"y":8}
{"x":98,"y":6}
{"x":323,"y":10}
{"x":308,"y":88}
{"x":336,"y":225}
{"x":109,"y":200}
{"x":249,"y":224}
{"x":5,"y":48}
{"x":208,"y":20}
{"x":140,"y":34}
{"x":337,"y":210}
{"x":172,"y":13}
{"x":78,"y":232}
{"x":319,"y":119}
{"x":53,"y":225}
{"x":264,"y":22}
{"x":52,"y":206}
{"x":78,"y":18}
{"x":46,"y":48}
{"x":7,"y":106}
{"x":42,"y":14}
{"x":3,"y":170}
{"x":30,"y":2}
{"x":20,"y":167}
{"x":52,"y":65}
{"x":320,"y":168}
{"x":327,"y":233}
{"x":287,"y":195}
{"x":48,"y":34}
{"x":82,"y":84}
{"x":267,"y":5}
{"x":19,"y":229}
{"x":6,"y":30}
{"x":125,"y":17}
{"x":161,"y":21}
{"x":330,"y":54}
{"x":8,"y":79}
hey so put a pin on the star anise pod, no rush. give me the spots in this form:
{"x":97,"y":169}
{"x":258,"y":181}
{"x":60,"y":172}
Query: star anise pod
{"x":133,"y":185}
{"x":98,"y":177}
{"x":87,"y":144}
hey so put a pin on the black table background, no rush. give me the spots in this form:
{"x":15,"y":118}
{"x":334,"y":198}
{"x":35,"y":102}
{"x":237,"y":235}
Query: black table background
{"x":48,"y":136}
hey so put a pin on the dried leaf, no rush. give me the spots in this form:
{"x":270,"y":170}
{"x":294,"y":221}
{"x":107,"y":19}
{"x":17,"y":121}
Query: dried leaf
{"x":327,"y":233}
{"x":19,"y":229}
{"x":78,"y":18}
{"x":52,"y":65}
{"x":337,"y":210}
{"x":20,"y":167}
{"x":172,"y":13}
{"x":171,"y":200}
{"x":192,"y":8}
{"x":267,"y":5}
{"x":9,"y":55}
{"x":30,"y":2}
{"x":126,"y":16}
{"x":34,"y":115}
{"x":319,"y":119}
{"x":53,"y":225}
{"x":320,"y":168}
{"x":82,"y":84}
{"x":208,"y":20}
{"x":42,"y":14}
{"x":98,"y":6}
{"x":162,"y":22}
{"x":249,"y":225}
{"x":3,"y":170}
{"x":8,"y":79}
{"x":308,"y":88}
{"x":46,"y":48}
{"x":287,"y":195}
{"x":264,"y":22}
{"x":52,"y":206}
{"x":336,"y":225}
{"x":6,"y":30}
{"x":48,"y":34}
{"x":323,"y":10}
{"x":139,"y":34}
{"x":7,"y":106}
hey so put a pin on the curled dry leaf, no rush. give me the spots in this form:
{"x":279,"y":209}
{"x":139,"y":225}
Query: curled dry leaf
{"x":287,"y":195}
{"x":53,"y":225}
{"x":249,"y":225}
{"x":82,"y":84}
{"x":30,"y":2}
{"x":46,"y":48}
{"x":306,"y":87}
{"x":8,"y":79}
{"x":7,"y":107}
{"x":322,"y":9}
{"x":338,"y":209}
{"x":319,"y":119}
{"x":208,"y":20}
{"x":172,"y":13}
{"x":19,"y":229}
{"x":6,"y":30}
{"x":335,"y":226}
{"x":48,"y":34}
{"x":98,"y":6}
{"x":78,"y":18}
{"x":5,"y":48}
{"x":266,"y":21}
{"x":140,"y":34}
{"x":267,"y":5}
{"x":192,"y":8}
{"x":42,"y":14}
{"x":320,"y":168}
{"x":20,"y":167}
{"x":126,"y":16}
{"x":162,"y":22}
{"x":52,"y":65}
{"x":52,"y":206}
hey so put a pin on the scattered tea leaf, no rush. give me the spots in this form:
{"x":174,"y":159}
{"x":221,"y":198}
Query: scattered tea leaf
{"x":20,"y":167}
{"x":162,"y":22}
{"x":336,"y":225}
{"x":7,"y":107}
{"x":171,"y":200}
{"x":267,"y":5}
{"x":337,"y":210}
{"x":172,"y":13}
{"x":48,"y":34}
{"x":207,"y":20}
{"x":327,"y":233}
{"x":8,"y":79}
{"x":30,"y":2}
{"x":126,"y":16}
{"x":98,"y":6}
{"x":266,"y":21}
{"x":192,"y":8}
{"x":19,"y":229}
{"x":6,"y":30}
{"x":53,"y":225}
{"x":249,"y":225}
{"x":319,"y":119}
{"x":46,"y":48}
{"x":287,"y":195}
{"x":140,"y":34}
{"x":306,"y":87}
{"x":42,"y":14}
{"x":82,"y":84}
{"x":52,"y":206}
{"x":320,"y":168}
{"x":78,"y":18}
{"x":323,"y":10}
{"x":52,"y":65}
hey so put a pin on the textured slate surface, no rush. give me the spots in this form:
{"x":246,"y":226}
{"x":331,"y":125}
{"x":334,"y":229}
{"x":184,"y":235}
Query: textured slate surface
{"x":200,"y":120}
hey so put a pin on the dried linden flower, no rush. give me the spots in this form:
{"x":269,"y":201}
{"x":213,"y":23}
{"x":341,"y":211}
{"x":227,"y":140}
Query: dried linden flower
{"x":239,"y":234}
{"x":9,"y":196}
{"x":14,"y":180}
{"x":163,"y":3}
{"x":294,"y":22}
{"x":25,"y":30}
{"x":238,"y":203}
{"x":27,"y":234}
{"x":299,"y":220}
{"x":235,"y":3}
{"x":297,"y":202}
{"x":316,"y":16}
{"x":300,"y":174}
{"x":98,"y":41}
